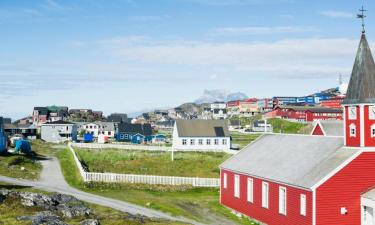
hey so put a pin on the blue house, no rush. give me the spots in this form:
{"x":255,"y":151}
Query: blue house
{"x":3,"y":138}
{"x":134,"y":133}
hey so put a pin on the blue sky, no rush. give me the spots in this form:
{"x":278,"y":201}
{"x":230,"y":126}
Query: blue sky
{"x":130,"y":55}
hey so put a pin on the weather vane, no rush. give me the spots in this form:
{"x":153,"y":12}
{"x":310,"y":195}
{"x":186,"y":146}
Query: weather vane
{"x":362,"y":16}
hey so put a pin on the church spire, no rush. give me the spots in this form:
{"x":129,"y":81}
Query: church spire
{"x":362,"y":81}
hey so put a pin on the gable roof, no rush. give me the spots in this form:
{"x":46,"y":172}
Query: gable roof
{"x":333,"y":128}
{"x":362,"y":81}
{"x":59,"y":122}
{"x":297,"y":160}
{"x":312,"y":109}
{"x":144,"y":129}
{"x":202,"y":128}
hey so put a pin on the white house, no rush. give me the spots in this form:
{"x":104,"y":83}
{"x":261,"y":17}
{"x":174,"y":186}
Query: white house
{"x":59,"y":131}
{"x":96,"y":128}
{"x":201,"y":135}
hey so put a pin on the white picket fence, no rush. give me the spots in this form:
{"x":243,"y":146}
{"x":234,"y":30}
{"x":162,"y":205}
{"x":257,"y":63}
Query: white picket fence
{"x":143,"y":179}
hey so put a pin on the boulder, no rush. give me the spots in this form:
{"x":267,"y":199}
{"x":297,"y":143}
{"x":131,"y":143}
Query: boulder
{"x":90,"y":222}
{"x":71,"y":211}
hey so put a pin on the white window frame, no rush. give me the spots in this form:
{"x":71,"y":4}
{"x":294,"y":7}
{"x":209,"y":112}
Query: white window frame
{"x":216,"y":141}
{"x":371,"y":110}
{"x":224,"y":141}
{"x":372,"y":130}
{"x":192,"y":141}
{"x":208,"y":141}
{"x":303,"y":204}
{"x":250,"y":190}
{"x":265,"y":195}
{"x":184,"y":141}
{"x":353,"y":128}
{"x":200,"y":141}
{"x":237,"y":186}
{"x":352,"y":116}
{"x":282,"y":200}
{"x":225,"y":181}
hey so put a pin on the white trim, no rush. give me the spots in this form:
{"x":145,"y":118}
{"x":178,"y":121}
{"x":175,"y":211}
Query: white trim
{"x":282,"y":205}
{"x":352,"y":116}
{"x":314,"y":207}
{"x":370,"y":115}
{"x":302,"y":204}
{"x":317,"y":122}
{"x":237,"y":186}
{"x":352,"y":126}
{"x":250,"y":190}
{"x":225,"y":180}
{"x":265,"y":194}
{"x":362,"y":125}
{"x":336,"y":170}
{"x":372,"y":127}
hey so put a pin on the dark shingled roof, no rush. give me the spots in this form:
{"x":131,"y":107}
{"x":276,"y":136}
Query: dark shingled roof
{"x":144,"y":129}
{"x":202,"y":128}
{"x":362,"y":82}
{"x":59,"y":122}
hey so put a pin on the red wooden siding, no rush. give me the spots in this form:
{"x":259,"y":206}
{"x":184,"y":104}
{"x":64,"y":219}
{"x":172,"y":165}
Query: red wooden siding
{"x":368,"y":123}
{"x":317,"y":130}
{"x":270,"y":216}
{"x":352,"y":141}
{"x":344,"y":190}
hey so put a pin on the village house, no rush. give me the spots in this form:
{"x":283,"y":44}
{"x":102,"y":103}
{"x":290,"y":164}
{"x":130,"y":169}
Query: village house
{"x":334,"y":102}
{"x":305,"y":113}
{"x":303,"y":179}
{"x":59,"y":131}
{"x":28,"y":131}
{"x":134,"y":133}
{"x":99,"y":128}
{"x":201,"y":135}
{"x":3,"y":137}
{"x":331,"y":128}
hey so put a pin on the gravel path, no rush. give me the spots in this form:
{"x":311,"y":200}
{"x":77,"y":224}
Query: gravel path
{"x":52,"y":180}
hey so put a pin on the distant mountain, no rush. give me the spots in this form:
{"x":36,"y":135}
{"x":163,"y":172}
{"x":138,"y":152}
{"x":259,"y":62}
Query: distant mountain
{"x":219,"y":95}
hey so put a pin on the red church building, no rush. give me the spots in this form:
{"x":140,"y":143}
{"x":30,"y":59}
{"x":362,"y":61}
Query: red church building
{"x":312,"y":180}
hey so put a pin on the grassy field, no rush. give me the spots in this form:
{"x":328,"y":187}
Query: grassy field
{"x":9,"y":210}
{"x":19,"y":166}
{"x":185,"y":164}
{"x":242,"y":140}
{"x":285,"y":126}
{"x":201,"y":204}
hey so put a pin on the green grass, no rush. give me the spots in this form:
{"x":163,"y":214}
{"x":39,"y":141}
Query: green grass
{"x":201,"y":204}
{"x":19,"y":166}
{"x":285,"y":126}
{"x":185,"y":164}
{"x":243,"y":139}
{"x":11,"y":208}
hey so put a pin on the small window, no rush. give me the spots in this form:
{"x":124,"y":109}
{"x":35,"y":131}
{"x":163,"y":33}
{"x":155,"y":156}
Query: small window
{"x":184,"y":141}
{"x":352,"y":130}
{"x":224,"y":141}
{"x":372,"y":130}
{"x":303,"y":205}
{"x":250,"y":190}
{"x":216,"y":141}
{"x":192,"y":142}
{"x":200,"y":141}
{"x":237,"y":186}
{"x":265,"y":195}
{"x":282,"y":200}
{"x":352,"y":113}
{"x":225,"y":180}
{"x":208,"y":141}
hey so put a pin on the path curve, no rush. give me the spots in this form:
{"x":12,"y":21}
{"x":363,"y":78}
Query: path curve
{"x":52,"y":180}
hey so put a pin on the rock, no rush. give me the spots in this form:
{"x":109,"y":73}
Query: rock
{"x":71,"y":211}
{"x":64,"y":199}
{"x":22,"y":168}
{"x":45,"y":218}
{"x":33,"y":199}
{"x":90,"y":222}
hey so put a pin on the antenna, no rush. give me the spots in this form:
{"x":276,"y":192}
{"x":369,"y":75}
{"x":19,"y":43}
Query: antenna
{"x":362,"y":16}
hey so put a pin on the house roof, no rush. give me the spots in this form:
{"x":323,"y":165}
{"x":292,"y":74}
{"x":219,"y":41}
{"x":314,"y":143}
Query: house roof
{"x":59,"y":122}
{"x":297,"y":160}
{"x":362,"y":81}
{"x":202,"y":128}
{"x":41,"y":110}
{"x":331,"y":127}
{"x":144,"y":129}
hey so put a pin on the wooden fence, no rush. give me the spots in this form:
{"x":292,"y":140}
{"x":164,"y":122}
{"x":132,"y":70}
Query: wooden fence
{"x":143,"y":179}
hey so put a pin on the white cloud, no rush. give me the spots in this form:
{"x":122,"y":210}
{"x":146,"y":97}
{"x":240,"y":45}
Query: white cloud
{"x":337,"y":14}
{"x":262,"y":30}
{"x":285,"y":59}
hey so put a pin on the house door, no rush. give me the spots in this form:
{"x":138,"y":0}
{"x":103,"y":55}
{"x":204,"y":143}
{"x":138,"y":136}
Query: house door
{"x":368,"y":216}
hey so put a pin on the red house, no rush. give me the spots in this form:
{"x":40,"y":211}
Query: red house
{"x":334,"y":102}
{"x":318,"y":180}
{"x":305,"y":113}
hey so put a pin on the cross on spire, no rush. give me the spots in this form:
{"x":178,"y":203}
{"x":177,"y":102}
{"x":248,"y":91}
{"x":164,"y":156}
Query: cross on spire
{"x":362,"y":16}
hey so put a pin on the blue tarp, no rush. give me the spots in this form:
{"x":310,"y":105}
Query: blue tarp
{"x":23,"y":146}
{"x":88,"y":137}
